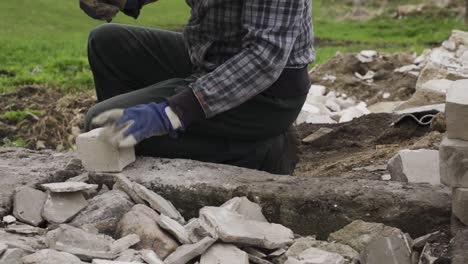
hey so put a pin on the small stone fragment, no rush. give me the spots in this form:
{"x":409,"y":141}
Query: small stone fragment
{"x":415,"y":166}
{"x":129,"y":255}
{"x":9,"y":219}
{"x":277,"y":253}
{"x":258,"y":260}
{"x":174,"y":228}
{"x":454,"y":163}
{"x":61,"y":207}
{"x":387,"y":250}
{"x":28,"y":204}
{"x":3,"y":248}
{"x":99,"y":155}
{"x":104,"y":211}
{"x":456,"y":111}
{"x":231,"y":227}
{"x":103,"y":261}
{"x":303,"y":243}
{"x":12,"y":256}
{"x":254,"y":252}
{"x":195,"y":231}
{"x":243,"y":206}
{"x":318,"y":256}
{"x":29,"y":243}
{"x":124,"y":184}
{"x":141,"y":220}
{"x":322,"y":132}
{"x":420,"y":242}
{"x":61,"y":187}
{"x":460,"y":204}
{"x":150,"y":257}
{"x":185,"y":253}
{"x":124,"y":243}
{"x":224,"y":254}
{"x":50,"y":256}
{"x":25,"y":230}
{"x":158,"y":203}
{"x":84,"y":177}
{"x":74,"y":165}
{"x":359,"y":234}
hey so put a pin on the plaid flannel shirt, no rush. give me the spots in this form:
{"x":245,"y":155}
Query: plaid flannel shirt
{"x":240,"y":47}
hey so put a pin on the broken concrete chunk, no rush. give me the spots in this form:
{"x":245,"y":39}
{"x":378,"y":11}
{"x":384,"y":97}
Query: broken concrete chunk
{"x":74,"y":165}
{"x":323,"y":131}
{"x":50,"y":256}
{"x":224,"y":254}
{"x":99,"y":155}
{"x":61,"y":187}
{"x":195,"y":231}
{"x":9,"y":219}
{"x":103,"y":261}
{"x":454,"y":162}
{"x":460,"y":204}
{"x":459,"y":246}
{"x":158,"y":203}
{"x":104,"y":211}
{"x":124,"y":184}
{"x":124,"y":243}
{"x":185,"y":253}
{"x":129,"y":255}
{"x":246,"y":208}
{"x":303,"y":243}
{"x":174,"y":228}
{"x":318,"y":256}
{"x":420,"y":242}
{"x":387,"y":250}
{"x":456,"y":110}
{"x":25,"y":230}
{"x":231,"y":227}
{"x":255,"y":252}
{"x":62,"y":207}
{"x":141,"y":220}
{"x":27,"y":243}
{"x":150,"y":257}
{"x":258,"y":260}
{"x":84,"y":245}
{"x":359,"y":234}
{"x":415,"y":166}
{"x":28,"y":204}
{"x":12,"y":256}
{"x":84,"y":177}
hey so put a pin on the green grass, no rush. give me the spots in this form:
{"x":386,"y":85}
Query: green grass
{"x":44,"y":41}
{"x":19,"y":115}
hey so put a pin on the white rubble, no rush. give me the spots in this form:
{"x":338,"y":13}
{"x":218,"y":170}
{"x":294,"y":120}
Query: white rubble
{"x":28,"y":204}
{"x":50,"y":256}
{"x":62,"y":187}
{"x":61,"y":207}
{"x":387,"y":250}
{"x":99,"y":155}
{"x":150,"y":257}
{"x":103,"y":261}
{"x":185,"y":253}
{"x":322,"y":132}
{"x":243,"y":206}
{"x":9,"y":219}
{"x":317,"y":256}
{"x":438,"y":85}
{"x":456,"y":110}
{"x":124,"y":243}
{"x":12,"y":256}
{"x":415,"y":166}
{"x":231,"y":227}
{"x":224,"y":254}
{"x":174,"y":228}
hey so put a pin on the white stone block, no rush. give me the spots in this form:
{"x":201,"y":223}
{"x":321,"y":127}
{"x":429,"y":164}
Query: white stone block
{"x":456,"y":110}
{"x":460,"y":204}
{"x":454,"y":162}
{"x":224,"y":254}
{"x":99,"y":155}
{"x":415,"y":166}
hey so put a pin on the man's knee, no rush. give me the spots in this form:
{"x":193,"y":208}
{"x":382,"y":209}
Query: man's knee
{"x":103,"y":34}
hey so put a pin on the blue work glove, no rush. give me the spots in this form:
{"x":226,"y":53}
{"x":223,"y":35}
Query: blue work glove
{"x":128,"y":127}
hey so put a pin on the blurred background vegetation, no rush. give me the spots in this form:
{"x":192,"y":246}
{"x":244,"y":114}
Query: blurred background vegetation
{"x":44,"y":41}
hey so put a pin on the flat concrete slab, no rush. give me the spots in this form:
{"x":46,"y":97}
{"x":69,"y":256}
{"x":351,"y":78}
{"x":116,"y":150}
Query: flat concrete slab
{"x":309,"y":206}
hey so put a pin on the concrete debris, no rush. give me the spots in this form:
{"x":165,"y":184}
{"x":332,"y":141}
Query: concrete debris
{"x":84,"y":245}
{"x":28,"y":204}
{"x":367,"y":56}
{"x":12,"y":256}
{"x":195,"y":231}
{"x":150,"y":257}
{"x":303,"y":243}
{"x":317,"y":256}
{"x":174,"y":228}
{"x":438,"y":85}
{"x":434,"y":108}
{"x":384,"y":107}
{"x":104,"y":211}
{"x":141,"y":220}
{"x":50,"y":256}
{"x":74,"y":165}
{"x":415,"y":166}
{"x":158,"y":203}
{"x":185,"y":253}
{"x":317,"y":90}
{"x":9,"y":219}
{"x":99,"y":155}
{"x":258,"y":260}
{"x":359,"y":234}
{"x":387,"y":250}
{"x":62,"y":207}
{"x":407,"y":68}
{"x":420,"y":242}
{"x":231,"y":227}
{"x":460,"y":204}
{"x":254,"y":252}
{"x":224,"y":254}
{"x":28,"y":243}
{"x":3,"y":248}
{"x":25,"y":230}
{"x":103,"y":261}
{"x":124,"y":184}
{"x":457,"y":110}
{"x":422,"y":98}
{"x":322,"y":132}
{"x":246,"y":208}
{"x":84,"y":177}
{"x":277,"y":253}
{"x":65,"y":187}
{"x":459,"y":246}
{"x":124,"y":243}
{"x":454,"y":163}
{"x":129,"y":255}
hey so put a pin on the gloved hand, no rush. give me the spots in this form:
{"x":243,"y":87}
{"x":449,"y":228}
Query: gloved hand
{"x":128,"y":127}
{"x":106,"y":9}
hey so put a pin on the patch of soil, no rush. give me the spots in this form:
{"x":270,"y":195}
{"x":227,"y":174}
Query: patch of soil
{"x":360,"y":148}
{"x":399,"y":86}
{"x":61,"y":117}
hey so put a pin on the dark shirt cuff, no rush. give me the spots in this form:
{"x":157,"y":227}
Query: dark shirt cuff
{"x":185,"y":104}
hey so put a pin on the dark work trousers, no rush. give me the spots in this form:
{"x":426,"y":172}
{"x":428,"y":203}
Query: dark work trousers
{"x":135,"y":65}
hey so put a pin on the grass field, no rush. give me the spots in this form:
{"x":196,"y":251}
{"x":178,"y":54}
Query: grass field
{"x":44,"y":41}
